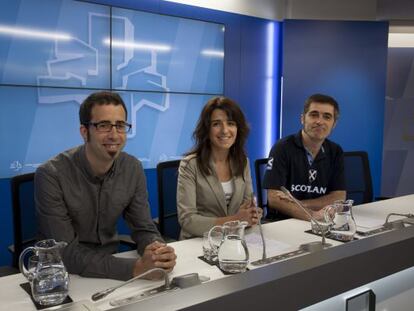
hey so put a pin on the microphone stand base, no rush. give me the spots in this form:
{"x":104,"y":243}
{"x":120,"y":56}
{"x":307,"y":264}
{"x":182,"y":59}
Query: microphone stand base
{"x":312,"y":247}
{"x":409,"y":220}
{"x":277,"y":258}
{"x":143,"y":295}
{"x":303,"y":249}
{"x":395,"y":225}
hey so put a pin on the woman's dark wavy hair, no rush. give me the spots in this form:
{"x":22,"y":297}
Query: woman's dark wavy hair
{"x":202,"y":147}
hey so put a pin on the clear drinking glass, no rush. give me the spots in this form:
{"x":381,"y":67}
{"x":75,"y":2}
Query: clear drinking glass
{"x":211,"y":244}
{"x":320,"y":227}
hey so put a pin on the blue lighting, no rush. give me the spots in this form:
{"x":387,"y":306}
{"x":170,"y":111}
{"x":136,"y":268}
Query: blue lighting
{"x":270,"y":89}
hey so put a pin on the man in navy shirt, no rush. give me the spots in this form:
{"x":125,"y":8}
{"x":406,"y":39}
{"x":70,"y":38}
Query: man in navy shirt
{"x":309,"y":165}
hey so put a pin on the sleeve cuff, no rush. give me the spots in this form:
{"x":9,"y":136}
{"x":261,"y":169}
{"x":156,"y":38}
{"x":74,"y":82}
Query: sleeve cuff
{"x":121,"y":268}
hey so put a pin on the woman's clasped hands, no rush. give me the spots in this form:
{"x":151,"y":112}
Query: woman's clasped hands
{"x":249,"y":212}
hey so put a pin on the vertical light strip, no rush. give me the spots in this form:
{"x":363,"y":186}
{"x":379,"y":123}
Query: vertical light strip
{"x":281,"y":108}
{"x":269,"y":104}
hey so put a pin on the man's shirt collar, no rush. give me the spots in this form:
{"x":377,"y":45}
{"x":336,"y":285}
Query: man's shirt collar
{"x":299,"y":143}
{"x":86,"y":167}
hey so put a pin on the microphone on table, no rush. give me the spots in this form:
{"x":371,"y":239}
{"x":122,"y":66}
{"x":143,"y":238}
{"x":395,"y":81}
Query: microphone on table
{"x":264,"y":256}
{"x":178,"y":282}
{"x":303,"y":248}
{"x":398,"y":224}
{"x":106,"y":292}
{"x":312,"y":246}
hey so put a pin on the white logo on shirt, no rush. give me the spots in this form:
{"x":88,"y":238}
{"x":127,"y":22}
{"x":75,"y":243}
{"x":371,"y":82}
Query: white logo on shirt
{"x":312,"y":175}
{"x":269,"y":164}
{"x":308,"y":189}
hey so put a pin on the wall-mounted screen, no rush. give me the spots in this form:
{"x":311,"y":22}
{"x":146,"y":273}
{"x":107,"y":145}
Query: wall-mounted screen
{"x":31,"y":132}
{"x":54,"y":43}
{"x":54,"y":53}
{"x":162,"y":124}
{"x":152,"y":52}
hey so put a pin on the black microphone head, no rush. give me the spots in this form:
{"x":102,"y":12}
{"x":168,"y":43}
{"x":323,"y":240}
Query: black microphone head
{"x":102,"y":294}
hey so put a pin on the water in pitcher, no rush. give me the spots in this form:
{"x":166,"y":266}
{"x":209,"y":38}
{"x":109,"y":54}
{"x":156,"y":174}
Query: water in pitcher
{"x":339,"y":214}
{"x":48,"y":277}
{"x":50,"y":285}
{"x":233,"y":254}
{"x":344,"y":227}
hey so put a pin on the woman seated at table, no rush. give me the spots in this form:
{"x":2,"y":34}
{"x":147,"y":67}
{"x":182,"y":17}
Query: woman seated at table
{"x":214,"y":181}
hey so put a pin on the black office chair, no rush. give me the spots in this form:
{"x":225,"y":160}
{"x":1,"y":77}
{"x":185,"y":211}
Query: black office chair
{"x":24,"y":215}
{"x":271,"y":214}
{"x":8,"y":270}
{"x":358,"y":177}
{"x":259,"y":170}
{"x":167,"y":174}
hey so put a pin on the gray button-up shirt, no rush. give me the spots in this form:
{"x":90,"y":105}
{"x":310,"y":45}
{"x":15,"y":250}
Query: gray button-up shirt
{"x":75,"y":206}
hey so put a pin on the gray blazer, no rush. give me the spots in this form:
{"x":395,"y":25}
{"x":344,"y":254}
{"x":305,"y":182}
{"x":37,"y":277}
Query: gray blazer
{"x":200,"y":198}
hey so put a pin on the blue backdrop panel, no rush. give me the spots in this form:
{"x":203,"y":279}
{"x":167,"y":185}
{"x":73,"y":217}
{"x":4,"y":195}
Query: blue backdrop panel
{"x":169,"y":119}
{"x":162,"y":125}
{"x":159,"y":54}
{"x":260,"y":71}
{"x":149,"y":52}
{"x":41,"y":130}
{"x":248,"y":58}
{"x":62,"y":52}
{"x":398,"y":164}
{"x":346,"y":60}
{"x":161,"y":132}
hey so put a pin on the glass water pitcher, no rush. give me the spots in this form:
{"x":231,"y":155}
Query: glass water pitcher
{"x":339,"y":216}
{"x":48,"y":277}
{"x":233,"y":254}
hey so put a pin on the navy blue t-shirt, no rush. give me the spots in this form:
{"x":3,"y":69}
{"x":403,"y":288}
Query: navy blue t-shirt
{"x":290,"y":167}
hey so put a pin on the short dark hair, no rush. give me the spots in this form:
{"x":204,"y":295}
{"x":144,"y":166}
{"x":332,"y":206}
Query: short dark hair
{"x":99,"y":98}
{"x":323,"y":99}
{"x":201,"y":135}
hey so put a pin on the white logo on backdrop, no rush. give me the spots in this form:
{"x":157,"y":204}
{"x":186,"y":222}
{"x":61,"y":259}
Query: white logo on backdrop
{"x":17,"y":166}
{"x":75,"y":61}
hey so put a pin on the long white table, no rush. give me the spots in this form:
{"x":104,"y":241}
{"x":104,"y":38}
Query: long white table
{"x":373,"y":215}
{"x":281,"y":237}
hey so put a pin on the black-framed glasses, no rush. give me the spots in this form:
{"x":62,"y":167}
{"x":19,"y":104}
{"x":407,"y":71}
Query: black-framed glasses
{"x":106,"y":127}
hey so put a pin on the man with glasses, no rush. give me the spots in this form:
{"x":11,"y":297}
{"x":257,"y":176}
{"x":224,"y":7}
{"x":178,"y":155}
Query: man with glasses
{"x":81,"y":193}
{"x":308,"y":164}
